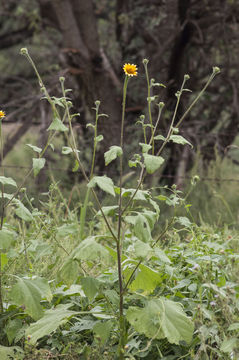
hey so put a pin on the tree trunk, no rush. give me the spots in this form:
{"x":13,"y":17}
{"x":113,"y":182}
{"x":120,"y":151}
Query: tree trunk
{"x":84,"y":57}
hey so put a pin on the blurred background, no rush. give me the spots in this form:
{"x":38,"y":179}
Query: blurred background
{"x":88,"y":42}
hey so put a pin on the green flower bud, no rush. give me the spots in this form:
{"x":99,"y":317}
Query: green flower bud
{"x":216,"y":70}
{"x":24,"y":51}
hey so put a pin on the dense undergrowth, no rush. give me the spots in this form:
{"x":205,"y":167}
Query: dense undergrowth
{"x":118,"y":280}
{"x":194,"y":266}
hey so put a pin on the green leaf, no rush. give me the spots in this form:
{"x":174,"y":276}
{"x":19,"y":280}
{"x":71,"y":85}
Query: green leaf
{"x":23,"y":213}
{"x":184,"y":221}
{"x":105,"y":183}
{"x":175,"y":324}
{"x":59,"y":101}
{"x":142,"y":195}
{"x":112,"y":154}
{"x":146,"y":320}
{"x":51,"y":320}
{"x":160,"y":254}
{"x":228,"y":345}
{"x":12,"y":328}
{"x":178,"y":139}
{"x":103,"y":115}
{"x":66,"y":150}
{"x":69,"y":271}
{"x":83,"y":324}
{"x":155,"y":206}
{"x":162,"y":318}
{"x":72,"y":290}
{"x":67,"y":229}
{"x":234,"y":326}
{"x":142,"y":228}
{"x":89,"y":249}
{"x":9,"y":353}
{"x":160,"y":137}
{"x":152,"y":163}
{"x":4,"y":260}
{"x":108,"y":210}
{"x":7,"y":181}
{"x":141,"y":249}
{"x":76,"y":166}
{"x":102,"y":330}
{"x":112,"y":297}
{"x":29,"y":292}
{"x":57,"y":125}
{"x":99,"y":138}
{"x":90,"y":286}
{"x":35,"y":148}
{"x":146,"y":279}
{"x":145,"y":147}
{"x":38,"y":164}
{"x":6,"y":238}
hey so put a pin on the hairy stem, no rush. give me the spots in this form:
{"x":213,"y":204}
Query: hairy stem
{"x":2,"y":216}
{"x":119,"y":240}
{"x":145,"y":62}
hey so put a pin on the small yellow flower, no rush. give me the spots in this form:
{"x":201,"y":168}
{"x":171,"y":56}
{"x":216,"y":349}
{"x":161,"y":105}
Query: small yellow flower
{"x":130,"y":69}
{"x":2,"y":114}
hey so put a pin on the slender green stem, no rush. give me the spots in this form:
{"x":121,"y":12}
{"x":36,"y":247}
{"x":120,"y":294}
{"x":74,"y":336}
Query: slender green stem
{"x":132,"y":275}
{"x":142,"y":175}
{"x":75,"y":153}
{"x":159,"y":152}
{"x":51,"y":135}
{"x":197,"y":98}
{"x":170,"y":131}
{"x":86,"y":201}
{"x":74,"y":149}
{"x":83,"y":213}
{"x":160,"y":105}
{"x":119,"y":240}
{"x":149,"y":103}
{"x":214,"y":73}
{"x":2,"y":216}
{"x":140,"y":261}
{"x":97,"y":103}
{"x":29,"y":172}
{"x":2,"y":187}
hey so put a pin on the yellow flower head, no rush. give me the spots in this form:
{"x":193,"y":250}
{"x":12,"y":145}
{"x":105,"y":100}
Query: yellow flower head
{"x":2,"y":114}
{"x":130,"y":69}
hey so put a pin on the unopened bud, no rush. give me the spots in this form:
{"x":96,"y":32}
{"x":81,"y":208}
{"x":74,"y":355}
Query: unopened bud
{"x":216,"y":70}
{"x":62,"y":79}
{"x":24,"y":51}
{"x":145,"y":61}
{"x":186,"y":77}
